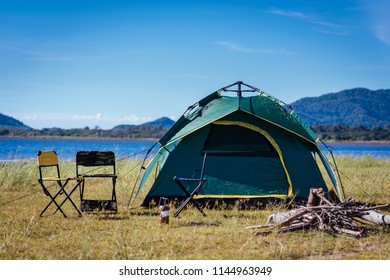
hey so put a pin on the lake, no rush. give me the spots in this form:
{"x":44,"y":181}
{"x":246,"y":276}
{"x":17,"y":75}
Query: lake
{"x":21,"y":148}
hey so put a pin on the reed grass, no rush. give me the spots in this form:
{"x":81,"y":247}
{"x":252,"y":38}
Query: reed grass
{"x":136,"y":233}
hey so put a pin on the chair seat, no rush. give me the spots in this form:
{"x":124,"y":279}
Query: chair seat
{"x":61,"y":179}
{"x":98,"y":175}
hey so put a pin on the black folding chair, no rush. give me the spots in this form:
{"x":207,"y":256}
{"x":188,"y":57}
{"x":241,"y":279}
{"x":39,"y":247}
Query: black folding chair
{"x":99,"y":165}
{"x":48,"y":163}
{"x":201,"y":181}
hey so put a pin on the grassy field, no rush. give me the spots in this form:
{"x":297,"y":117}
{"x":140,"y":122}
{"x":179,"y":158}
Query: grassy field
{"x":136,"y":234}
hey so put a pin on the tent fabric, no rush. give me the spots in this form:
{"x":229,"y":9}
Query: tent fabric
{"x":260,"y":106}
{"x":255,"y":148}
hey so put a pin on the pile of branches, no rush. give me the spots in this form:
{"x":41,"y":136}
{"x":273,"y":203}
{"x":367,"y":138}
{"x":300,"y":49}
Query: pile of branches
{"x":348,"y":217}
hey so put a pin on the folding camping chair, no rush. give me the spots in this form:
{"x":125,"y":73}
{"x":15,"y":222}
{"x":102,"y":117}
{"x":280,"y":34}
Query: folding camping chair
{"x":201,"y":181}
{"x":48,"y":161}
{"x":99,"y":165}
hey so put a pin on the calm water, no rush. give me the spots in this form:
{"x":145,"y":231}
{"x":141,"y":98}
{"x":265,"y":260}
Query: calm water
{"x":17,"y":149}
{"x":361,"y":150}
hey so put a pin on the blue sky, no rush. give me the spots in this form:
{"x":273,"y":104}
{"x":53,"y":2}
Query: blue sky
{"x":73,"y":64}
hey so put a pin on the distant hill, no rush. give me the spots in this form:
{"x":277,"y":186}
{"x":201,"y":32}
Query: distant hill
{"x":124,"y":126}
{"x":353,"y":107}
{"x":164,"y":123}
{"x":9,"y":122}
{"x":161,"y":123}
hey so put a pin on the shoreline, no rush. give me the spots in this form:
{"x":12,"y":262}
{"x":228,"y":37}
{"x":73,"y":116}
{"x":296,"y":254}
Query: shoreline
{"x":81,"y":138}
{"x":359,"y":142}
{"x":355,"y":142}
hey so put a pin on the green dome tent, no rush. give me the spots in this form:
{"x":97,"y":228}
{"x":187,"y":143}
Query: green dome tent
{"x":257,"y":147}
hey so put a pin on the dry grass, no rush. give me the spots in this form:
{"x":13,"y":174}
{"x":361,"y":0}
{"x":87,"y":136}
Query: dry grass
{"x":136,"y":234}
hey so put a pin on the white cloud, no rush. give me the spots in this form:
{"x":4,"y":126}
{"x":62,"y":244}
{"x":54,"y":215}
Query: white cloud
{"x":97,"y":117}
{"x":305,"y":17}
{"x":49,"y":57}
{"x":331,"y":32}
{"x":133,"y":119}
{"x":327,"y":27}
{"x":233,"y":46}
{"x":37,"y":53}
{"x":379,"y":12}
{"x":277,"y":51}
{"x":29,"y":117}
{"x":238,"y":48}
{"x":291,"y":14}
{"x":79,"y":121}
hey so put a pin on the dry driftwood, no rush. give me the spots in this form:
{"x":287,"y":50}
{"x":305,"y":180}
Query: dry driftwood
{"x":376,"y":218}
{"x":342,"y":218}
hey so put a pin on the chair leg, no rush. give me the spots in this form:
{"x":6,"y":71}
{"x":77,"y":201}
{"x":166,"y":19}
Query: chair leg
{"x":82,"y":191}
{"x":202,"y":180}
{"x":68,"y":197}
{"x":114,"y":193}
{"x":189,"y":197}
{"x":52,"y":201}
{"x":61,"y":191}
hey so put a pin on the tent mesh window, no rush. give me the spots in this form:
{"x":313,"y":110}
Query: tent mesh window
{"x":237,"y":140}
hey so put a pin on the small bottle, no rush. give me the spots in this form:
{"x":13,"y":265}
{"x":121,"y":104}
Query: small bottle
{"x":164,"y":214}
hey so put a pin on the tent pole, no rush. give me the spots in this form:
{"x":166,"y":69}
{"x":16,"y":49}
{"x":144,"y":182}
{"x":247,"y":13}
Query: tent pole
{"x":239,"y":94}
{"x":335,"y":166}
{"x":338,"y":174}
{"x":139,"y":174}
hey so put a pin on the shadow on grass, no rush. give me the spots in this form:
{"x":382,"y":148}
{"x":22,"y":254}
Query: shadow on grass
{"x":197,"y":224}
{"x":113,"y":218}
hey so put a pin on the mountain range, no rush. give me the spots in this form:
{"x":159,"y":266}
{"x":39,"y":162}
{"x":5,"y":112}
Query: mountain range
{"x":351,"y":107}
{"x":164,"y":123}
{"x":9,"y":122}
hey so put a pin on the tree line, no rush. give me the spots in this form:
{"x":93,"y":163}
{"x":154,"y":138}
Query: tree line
{"x":133,"y":134}
{"x":338,"y":132}
{"x":342,"y":132}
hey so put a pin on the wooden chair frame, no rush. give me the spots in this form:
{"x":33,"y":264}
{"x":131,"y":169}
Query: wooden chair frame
{"x":49,"y":159}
